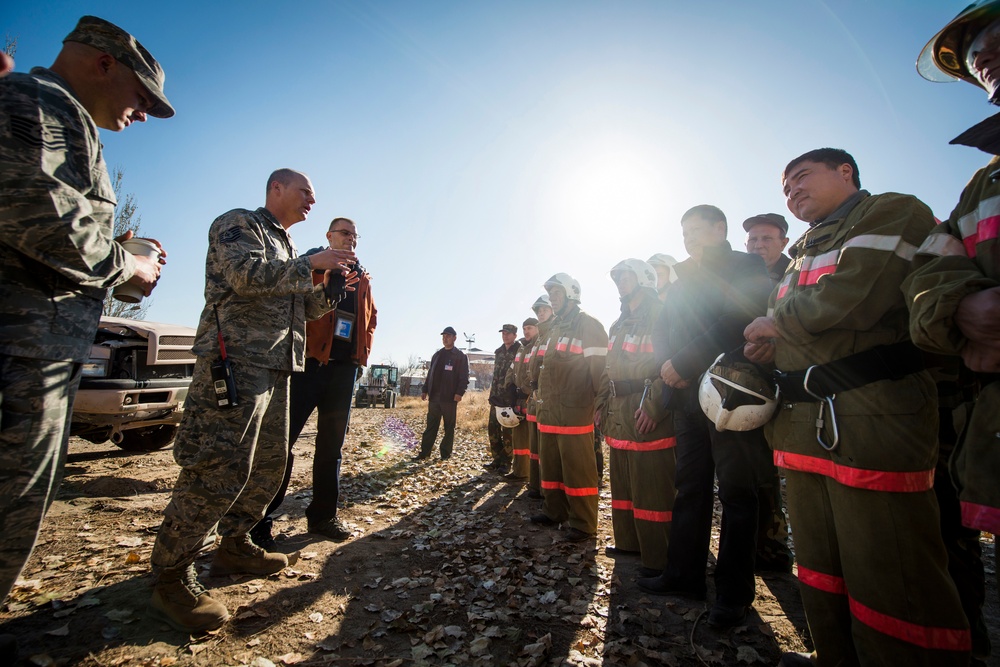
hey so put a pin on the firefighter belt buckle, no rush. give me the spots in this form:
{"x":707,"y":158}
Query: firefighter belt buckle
{"x":825,"y":403}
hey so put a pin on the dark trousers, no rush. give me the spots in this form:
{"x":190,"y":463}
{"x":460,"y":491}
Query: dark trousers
{"x":436,"y":411}
{"x":329,"y":388}
{"x":737,"y":459}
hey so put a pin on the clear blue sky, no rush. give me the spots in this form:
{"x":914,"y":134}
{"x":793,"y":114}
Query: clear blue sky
{"x":483,"y":146}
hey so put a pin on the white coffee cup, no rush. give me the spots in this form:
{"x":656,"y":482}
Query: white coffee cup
{"x":128,"y":292}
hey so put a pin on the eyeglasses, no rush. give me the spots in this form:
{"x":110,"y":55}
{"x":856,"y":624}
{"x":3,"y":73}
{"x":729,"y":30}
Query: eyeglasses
{"x":344,"y":232}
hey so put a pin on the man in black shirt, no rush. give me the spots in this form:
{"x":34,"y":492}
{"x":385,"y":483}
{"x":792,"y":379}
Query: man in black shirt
{"x":447,"y":380}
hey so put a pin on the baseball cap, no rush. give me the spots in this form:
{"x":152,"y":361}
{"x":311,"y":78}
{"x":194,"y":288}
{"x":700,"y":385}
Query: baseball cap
{"x":509,"y":328}
{"x":530,"y":322}
{"x":449,"y":330}
{"x":126,"y":49}
{"x":767,"y":219}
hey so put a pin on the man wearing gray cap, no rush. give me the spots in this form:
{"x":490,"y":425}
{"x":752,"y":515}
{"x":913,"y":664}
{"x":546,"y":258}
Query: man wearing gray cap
{"x":767,"y":236}
{"x":57,"y":253}
{"x":447,"y":380}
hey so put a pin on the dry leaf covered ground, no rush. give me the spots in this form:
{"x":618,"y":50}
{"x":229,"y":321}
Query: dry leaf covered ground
{"x":443,"y":569}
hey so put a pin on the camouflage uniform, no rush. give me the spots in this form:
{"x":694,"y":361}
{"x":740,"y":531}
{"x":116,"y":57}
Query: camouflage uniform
{"x":568,"y":382}
{"x":501,"y":444}
{"x":517,"y":383}
{"x":57,"y":259}
{"x":872,"y":565}
{"x":233,"y":459}
{"x":642,"y":465}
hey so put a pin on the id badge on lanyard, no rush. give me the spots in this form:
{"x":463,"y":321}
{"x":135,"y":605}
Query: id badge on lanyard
{"x":343,"y":325}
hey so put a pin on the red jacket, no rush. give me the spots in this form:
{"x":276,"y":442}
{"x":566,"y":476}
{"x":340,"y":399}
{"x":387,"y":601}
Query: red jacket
{"x":319,"y":333}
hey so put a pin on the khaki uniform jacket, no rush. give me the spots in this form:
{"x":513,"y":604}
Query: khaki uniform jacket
{"x":58,"y":255}
{"x":960,"y":257}
{"x":630,"y":358}
{"x":570,"y":374}
{"x":263,"y":289}
{"x":842,"y":296}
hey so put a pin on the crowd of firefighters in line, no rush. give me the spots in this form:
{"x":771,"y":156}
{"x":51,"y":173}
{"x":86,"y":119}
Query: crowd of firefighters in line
{"x":866,"y":372}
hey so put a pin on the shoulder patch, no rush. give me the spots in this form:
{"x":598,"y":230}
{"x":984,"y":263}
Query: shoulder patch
{"x":230,"y":235}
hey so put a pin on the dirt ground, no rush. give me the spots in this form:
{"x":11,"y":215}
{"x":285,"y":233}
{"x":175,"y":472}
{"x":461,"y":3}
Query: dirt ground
{"x":443,"y":569}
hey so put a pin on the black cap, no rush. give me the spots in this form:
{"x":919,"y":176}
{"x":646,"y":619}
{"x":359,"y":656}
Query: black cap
{"x":450,"y":331}
{"x":767,"y":219}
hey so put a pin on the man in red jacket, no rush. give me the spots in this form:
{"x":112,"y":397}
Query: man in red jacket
{"x":337,"y":347}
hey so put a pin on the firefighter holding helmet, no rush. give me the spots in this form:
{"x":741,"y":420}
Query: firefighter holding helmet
{"x":638,"y":428}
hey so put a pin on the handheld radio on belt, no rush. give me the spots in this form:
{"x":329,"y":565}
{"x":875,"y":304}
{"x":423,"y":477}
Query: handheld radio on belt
{"x":222,"y":373}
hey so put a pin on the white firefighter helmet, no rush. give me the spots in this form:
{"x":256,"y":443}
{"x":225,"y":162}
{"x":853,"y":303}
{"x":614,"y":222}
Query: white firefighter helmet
{"x":507,"y":417}
{"x":735,"y":396}
{"x":568,"y":283}
{"x":943,"y":58}
{"x":644,"y":273}
{"x":664,"y":260}
{"x":543,"y":300}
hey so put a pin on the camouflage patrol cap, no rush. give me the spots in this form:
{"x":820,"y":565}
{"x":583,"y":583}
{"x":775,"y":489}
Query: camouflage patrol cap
{"x":126,"y":49}
{"x":509,"y":328}
{"x":530,"y":322}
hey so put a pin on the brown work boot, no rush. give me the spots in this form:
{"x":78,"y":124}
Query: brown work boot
{"x":181,"y":601}
{"x":239,"y":555}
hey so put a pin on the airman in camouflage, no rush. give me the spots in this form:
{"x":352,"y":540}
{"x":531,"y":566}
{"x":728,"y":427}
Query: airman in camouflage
{"x":233,"y":457}
{"x":57,"y":253}
{"x":501,"y":444}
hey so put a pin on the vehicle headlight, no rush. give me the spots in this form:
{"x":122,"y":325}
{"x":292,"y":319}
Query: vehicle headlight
{"x":95,"y":368}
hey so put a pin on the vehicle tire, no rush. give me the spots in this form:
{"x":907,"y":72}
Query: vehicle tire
{"x":147,"y":439}
{"x":388,"y":400}
{"x":394,"y":397}
{"x":358,"y":401}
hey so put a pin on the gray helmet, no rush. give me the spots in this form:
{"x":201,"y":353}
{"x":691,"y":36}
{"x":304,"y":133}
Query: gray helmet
{"x":543,"y":300}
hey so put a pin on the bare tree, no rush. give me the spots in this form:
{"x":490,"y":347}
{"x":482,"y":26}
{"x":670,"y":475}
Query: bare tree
{"x":127,"y":218}
{"x":10,"y":45}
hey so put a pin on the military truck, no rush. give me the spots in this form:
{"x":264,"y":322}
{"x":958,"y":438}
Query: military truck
{"x":379,"y":386}
{"x":134,"y":384}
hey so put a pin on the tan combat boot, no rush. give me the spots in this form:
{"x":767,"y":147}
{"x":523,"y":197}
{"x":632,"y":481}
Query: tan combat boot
{"x":239,"y":555}
{"x":181,"y":600}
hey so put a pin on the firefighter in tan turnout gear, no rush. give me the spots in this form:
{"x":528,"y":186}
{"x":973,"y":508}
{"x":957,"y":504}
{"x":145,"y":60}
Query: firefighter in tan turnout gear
{"x":954,"y":292}
{"x":568,"y":383}
{"x":517,"y":389}
{"x":857,"y":429}
{"x":533,"y":359}
{"x":637,"y":428}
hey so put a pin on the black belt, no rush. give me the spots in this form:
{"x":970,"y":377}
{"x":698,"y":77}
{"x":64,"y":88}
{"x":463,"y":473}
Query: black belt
{"x":626,"y":387}
{"x":885,"y":362}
